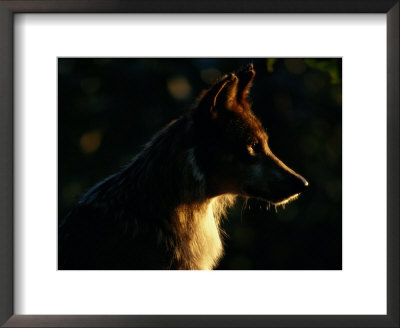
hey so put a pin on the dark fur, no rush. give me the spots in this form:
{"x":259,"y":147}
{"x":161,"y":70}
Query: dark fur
{"x":155,"y":213}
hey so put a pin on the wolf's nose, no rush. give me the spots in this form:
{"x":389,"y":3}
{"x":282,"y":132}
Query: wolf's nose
{"x":302,"y":183}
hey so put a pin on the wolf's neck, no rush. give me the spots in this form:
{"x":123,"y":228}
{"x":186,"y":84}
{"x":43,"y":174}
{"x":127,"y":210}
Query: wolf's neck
{"x":166,"y":171}
{"x":169,"y":187}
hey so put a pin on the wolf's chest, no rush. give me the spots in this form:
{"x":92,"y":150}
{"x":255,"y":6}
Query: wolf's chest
{"x":199,"y":245}
{"x":208,"y":241}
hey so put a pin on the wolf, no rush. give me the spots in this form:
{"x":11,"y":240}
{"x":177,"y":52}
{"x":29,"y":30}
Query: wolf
{"x":164,"y":209}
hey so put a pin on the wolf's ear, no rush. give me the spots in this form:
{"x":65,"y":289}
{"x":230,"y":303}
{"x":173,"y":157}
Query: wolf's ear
{"x":222,"y":94}
{"x":246,"y":77}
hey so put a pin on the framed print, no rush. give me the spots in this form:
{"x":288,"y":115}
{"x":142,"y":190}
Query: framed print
{"x":245,"y":244}
{"x":85,"y":85}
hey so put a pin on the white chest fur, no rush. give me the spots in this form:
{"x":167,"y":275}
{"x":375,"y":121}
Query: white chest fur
{"x":198,"y":233}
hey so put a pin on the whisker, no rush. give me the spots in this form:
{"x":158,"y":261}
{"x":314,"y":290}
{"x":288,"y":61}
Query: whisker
{"x":243,"y":208}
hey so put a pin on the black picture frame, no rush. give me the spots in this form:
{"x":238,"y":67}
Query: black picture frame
{"x":10,"y":7}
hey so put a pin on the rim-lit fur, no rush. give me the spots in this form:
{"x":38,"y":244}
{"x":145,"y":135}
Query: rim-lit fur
{"x":163,"y":210}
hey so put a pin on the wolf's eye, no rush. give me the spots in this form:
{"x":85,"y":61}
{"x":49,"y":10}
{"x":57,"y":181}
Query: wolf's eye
{"x":254,"y":147}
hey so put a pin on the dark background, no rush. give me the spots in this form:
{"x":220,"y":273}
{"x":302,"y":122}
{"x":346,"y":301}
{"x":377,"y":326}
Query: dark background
{"x":108,"y":108}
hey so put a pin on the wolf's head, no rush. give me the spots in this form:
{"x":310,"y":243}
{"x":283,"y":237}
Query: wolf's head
{"x":232,"y":145}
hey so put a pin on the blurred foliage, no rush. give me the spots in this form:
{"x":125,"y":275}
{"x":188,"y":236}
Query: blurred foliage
{"x":108,"y":108}
{"x":270,"y":64}
{"x":327,"y":65}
